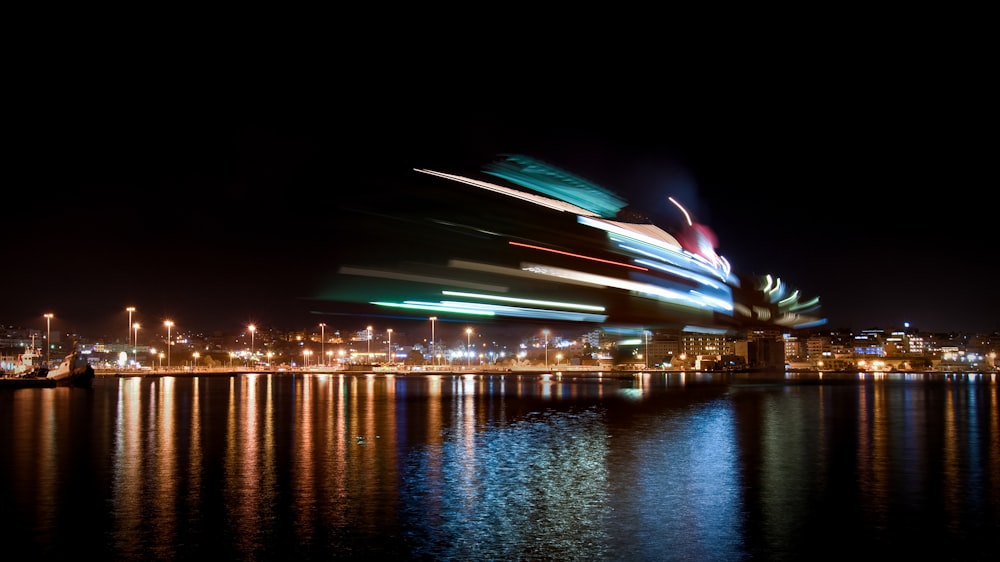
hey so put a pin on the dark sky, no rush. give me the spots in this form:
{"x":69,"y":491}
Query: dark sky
{"x":215,"y":208}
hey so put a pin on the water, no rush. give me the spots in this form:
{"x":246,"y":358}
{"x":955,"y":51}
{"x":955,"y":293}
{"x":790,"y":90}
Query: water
{"x":503,"y":467}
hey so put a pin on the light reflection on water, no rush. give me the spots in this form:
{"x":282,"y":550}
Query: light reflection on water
{"x":533,"y":489}
{"x":694,"y":466}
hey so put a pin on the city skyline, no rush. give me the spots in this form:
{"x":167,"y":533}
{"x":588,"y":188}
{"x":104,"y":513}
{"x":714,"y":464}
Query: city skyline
{"x":451,"y":343}
{"x":406,"y":331}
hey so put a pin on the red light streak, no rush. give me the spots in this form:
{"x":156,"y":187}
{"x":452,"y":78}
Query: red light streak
{"x":577,"y":255}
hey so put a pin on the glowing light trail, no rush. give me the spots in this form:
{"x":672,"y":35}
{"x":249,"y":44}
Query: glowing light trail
{"x":683,"y":210}
{"x":525,"y":301}
{"x":578,"y":255}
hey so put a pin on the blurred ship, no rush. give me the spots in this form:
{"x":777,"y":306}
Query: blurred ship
{"x":530,"y":242}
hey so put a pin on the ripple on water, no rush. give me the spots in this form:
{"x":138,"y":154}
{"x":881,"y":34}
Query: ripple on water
{"x":535,"y":489}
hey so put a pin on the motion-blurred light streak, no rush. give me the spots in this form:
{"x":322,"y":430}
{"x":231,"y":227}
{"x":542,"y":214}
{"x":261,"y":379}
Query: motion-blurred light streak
{"x":434,"y":307}
{"x":592,"y":308}
{"x":348,"y":270}
{"x":523,"y":312}
{"x":529,"y":197}
{"x":573,"y":255}
{"x":687,"y":216}
{"x":491,"y":310}
{"x":551,"y":245}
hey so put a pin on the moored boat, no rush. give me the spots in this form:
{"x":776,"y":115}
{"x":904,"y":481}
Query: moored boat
{"x":29,"y":363}
{"x":74,"y":370}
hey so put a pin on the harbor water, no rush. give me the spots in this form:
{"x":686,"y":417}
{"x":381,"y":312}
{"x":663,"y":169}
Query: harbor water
{"x":503,"y":466}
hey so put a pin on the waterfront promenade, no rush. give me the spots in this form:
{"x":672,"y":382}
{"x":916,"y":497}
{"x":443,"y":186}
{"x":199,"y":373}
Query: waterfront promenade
{"x":403,"y":370}
{"x":366,"y":370}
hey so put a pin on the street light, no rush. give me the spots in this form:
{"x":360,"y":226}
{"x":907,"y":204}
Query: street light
{"x":322,"y":340}
{"x":252,"y":329}
{"x":388,"y":356}
{"x":194,"y":365}
{"x":468,"y":344}
{"x":433,"y":319}
{"x":546,"y":332}
{"x":135,"y":342}
{"x":128,"y":327}
{"x":369,"y":345}
{"x":169,"y":325}
{"x":48,"y":338}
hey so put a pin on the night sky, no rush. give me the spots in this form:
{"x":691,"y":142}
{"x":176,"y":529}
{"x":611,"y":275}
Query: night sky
{"x":218,"y":208}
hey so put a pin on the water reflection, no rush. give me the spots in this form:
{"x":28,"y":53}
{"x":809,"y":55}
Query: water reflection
{"x":679,"y":466}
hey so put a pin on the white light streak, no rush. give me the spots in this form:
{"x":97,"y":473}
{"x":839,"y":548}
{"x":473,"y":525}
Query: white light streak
{"x":683,"y":210}
{"x":589,"y":307}
{"x":524,"y":196}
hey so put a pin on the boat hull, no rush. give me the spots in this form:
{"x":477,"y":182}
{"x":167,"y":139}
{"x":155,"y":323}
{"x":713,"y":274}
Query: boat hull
{"x":80,"y":376}
{"x":73,"y":371}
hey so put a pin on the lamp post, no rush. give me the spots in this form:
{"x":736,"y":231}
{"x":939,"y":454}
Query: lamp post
{"x":252,"y":329}
{"x":194,"y":364}
{"x":169,"y":324}
{"x":369,"y":345}
{"x":546,"y":332}
{"x":468,"y":344}
{"x":128,"y":327}
{"x":322,"y":340}
{"x":48,"y":338}
{"x":135,"y":341}
{"x":388,"y":356}
{"x":433,"y":360}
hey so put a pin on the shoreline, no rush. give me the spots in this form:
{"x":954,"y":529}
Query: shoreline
{"x":778,"y":374}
